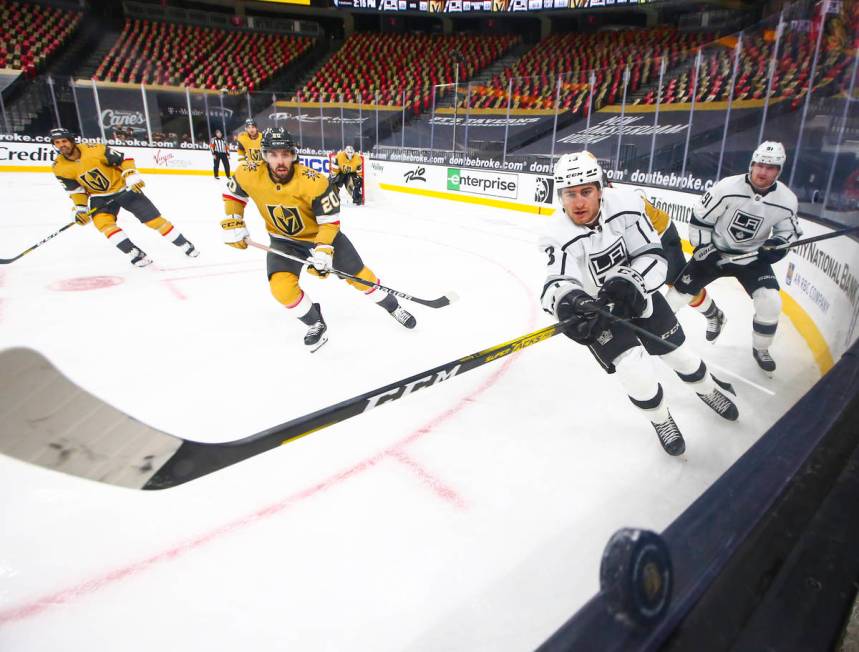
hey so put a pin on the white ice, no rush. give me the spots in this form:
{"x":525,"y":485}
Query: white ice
{"x":468,"y":516}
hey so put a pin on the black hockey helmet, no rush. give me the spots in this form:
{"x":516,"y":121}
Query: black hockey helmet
{"x":62,"y":132}
{"x":250,"y":122}
{"x":278,"y":138}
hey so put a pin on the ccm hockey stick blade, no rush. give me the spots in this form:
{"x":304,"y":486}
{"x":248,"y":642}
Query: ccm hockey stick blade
{"x":47,"y":420}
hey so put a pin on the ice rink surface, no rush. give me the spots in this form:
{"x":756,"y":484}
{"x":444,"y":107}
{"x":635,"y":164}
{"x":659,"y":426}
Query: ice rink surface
{"x":468,"y":516}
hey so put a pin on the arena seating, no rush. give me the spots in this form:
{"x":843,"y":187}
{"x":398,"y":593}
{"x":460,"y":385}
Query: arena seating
{"x":184,"y":55}
{"x":393,"y":63}
{"x":790,"y":81}
{"x":29,"y":34}
{"x":534,"y":77}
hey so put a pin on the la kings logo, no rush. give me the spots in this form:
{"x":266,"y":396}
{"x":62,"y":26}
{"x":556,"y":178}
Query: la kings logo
{"x":744,"y":227}
{"x":543,"y":192}
{"x":603,"y":262}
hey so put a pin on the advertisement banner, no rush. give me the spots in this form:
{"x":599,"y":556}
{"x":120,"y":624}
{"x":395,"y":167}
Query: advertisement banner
{"x":478,"y":182}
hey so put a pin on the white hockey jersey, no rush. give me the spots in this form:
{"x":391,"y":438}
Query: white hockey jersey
{"x":737,"y":218}
{"x":580,"y":257}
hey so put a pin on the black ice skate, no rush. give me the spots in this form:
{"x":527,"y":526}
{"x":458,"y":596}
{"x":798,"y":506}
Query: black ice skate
{"x":715,"y":324}
{"x":190,"y":250}
{"x":315,"y":336}
{"x":765,"y":362}
{"x":719,"y":401}
{"x":670,"y":437}
{"x":139,"y":258}
{"x":404,"y":317}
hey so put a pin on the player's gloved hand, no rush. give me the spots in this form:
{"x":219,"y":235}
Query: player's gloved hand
{"x":235,"y":232}
{"x":587,"y":322}
{"x":706,"y":251}
{"x":321,"y":260}
{"x":623,"y":290}
{"x":82,"y":215}
{"x":133,"y":180}
{"x":769,"y":254}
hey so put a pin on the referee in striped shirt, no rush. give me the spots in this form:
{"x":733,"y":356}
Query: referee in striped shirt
{"x":220,"y":153}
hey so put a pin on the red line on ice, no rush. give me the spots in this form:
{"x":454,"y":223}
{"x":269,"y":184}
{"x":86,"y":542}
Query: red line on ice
{"x":64,"y":596}
{"x":442,"y":490}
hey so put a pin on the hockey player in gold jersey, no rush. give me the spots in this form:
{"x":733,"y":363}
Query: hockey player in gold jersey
{"x":347,"y":170}
{"x":96,"y":178}
{"x":249,"y":143}
{"x":301,"y":213}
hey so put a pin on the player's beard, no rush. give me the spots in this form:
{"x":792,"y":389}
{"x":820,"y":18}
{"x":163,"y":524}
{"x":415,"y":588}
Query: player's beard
{"x":281,"y":173}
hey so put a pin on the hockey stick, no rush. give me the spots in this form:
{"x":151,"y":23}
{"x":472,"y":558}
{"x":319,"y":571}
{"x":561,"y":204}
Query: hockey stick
{"x":441,"y":302}
{"x":6,"y":261}
{"x":791,"y":245}
{"x":106,"y":445}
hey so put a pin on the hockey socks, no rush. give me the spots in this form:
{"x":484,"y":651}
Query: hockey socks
{"x":166,"y":228}
{"x":138,"y":256}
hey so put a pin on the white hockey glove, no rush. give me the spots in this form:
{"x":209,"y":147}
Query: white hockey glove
{"x":133,"y":180}
{"x":321,"y":260}
{"x":235,"y":231}
{"x":82,"y":215}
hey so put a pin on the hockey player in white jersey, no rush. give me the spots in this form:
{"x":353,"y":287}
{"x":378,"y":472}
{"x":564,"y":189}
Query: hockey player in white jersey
{"x":605,"y":265}
{"x":744,"y":213}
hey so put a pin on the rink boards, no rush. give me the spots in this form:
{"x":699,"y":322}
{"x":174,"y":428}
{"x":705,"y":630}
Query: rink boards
{"x":820,"y":289}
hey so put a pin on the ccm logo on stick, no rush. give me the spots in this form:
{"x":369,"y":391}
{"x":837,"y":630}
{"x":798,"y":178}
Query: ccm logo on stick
{"x":408,"y":388}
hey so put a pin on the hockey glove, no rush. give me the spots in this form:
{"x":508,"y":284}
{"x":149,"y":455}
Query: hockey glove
{"x":321,"y":260}
{"x":623,"y":290}
{"x":587,"y":321}
{"x":768,"y":252}
{"x":133,"y":180}
{"x":82,"y":215}
{"x":706,"y":252}
{"x":235,"y":232}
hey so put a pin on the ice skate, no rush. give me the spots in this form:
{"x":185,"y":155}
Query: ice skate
{"x":670,"y":436}
{"x":764,"y":360}
{"x":404,"y":317}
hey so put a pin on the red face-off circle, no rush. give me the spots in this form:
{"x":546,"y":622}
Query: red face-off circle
{"x":85,"y":283}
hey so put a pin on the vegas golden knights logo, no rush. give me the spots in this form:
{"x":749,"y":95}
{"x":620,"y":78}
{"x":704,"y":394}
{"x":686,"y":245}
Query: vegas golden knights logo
{"x":286,"y":219}
{"x":95,"y":180}
{"x":255,"y":155}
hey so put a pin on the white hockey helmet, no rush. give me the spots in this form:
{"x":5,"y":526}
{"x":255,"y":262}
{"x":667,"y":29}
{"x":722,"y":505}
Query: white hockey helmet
{"x":350,"y":151}
{"x":769,"y":152}
{"x":577,"y":169}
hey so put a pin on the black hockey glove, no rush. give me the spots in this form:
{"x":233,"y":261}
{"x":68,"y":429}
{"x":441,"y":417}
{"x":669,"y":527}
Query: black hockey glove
{"x":587,"y":322}
{"x":706,"y":252}
{"x":768,"y":254}
{"x":623,"y":290}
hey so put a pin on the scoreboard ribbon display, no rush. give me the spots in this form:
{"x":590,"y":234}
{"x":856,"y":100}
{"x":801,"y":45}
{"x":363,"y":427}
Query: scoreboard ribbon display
{"x":497,"y":6}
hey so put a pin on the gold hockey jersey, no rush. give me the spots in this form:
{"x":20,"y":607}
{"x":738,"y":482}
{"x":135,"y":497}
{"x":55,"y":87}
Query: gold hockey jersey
{"x":342,"y":163}
{"x":305,"y":208}
{"x":98,"y":171}
{"x":249,"y":148}
{"x":658,"y":217}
